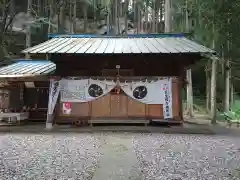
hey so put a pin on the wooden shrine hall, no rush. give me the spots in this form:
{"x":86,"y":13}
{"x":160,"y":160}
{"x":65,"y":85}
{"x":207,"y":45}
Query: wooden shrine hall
{"x":108,"y":79}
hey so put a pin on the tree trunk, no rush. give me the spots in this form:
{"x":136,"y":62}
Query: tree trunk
{"x":126,"y":4}
{"x":74,"y":15}
{"x":12,"y":14}
{"x":214,"y":78}
{"x":208,"y":85}
{"x":189,"y":93}
{"x":157,"y":15}
{"x":227,"y":75}
{"x":232,"y":95}
{"x":161,"y":15}
{"x":138,"y":19}
{"x":117,"y":16}
{"x":168,"y":16}
{"x":38,"y":7}
{"x":28,"y":32}
{"x":50,"y":16}
{"x":94,"y":12}
{"x":61,"y":15}
{"x":153,"y":16}
{"x":70,"y":16}
{"x":85,"y":9}
{"x":108,"y":21}
{"x":189,"y":75}
{"x":213,"y":88}
{"x":186,"y":18}
{"x":227,"y":86}
{"x":134,"y":14}
{"x":141,"y":20}
{"x":146,"y":17}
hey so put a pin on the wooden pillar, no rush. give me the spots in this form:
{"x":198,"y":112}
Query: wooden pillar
{"x":180,"y":85}
{"x":189,"y":93}
{"x":21,"y":86}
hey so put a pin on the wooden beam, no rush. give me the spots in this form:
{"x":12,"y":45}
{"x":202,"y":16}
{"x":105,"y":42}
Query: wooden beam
{"x":34,"y":78}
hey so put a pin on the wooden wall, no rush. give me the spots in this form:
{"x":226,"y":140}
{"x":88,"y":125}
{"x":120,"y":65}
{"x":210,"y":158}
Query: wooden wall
{"x":121,"y":106}
{"x":140,"y":64}
{"x":10,"y":98}
{"x":34,"y":100}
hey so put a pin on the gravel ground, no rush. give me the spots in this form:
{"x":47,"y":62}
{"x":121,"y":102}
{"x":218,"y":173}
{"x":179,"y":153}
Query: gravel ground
{"x":188,"y":157}
{"x":78,"y":156}
{"x":39,"y":157}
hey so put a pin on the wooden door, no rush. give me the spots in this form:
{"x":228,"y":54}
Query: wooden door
{"x":101,"y":107}
{"x":119,"y":105}
{"x":136,"y":108}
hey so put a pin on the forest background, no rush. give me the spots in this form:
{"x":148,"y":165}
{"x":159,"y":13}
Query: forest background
{"x":213,"y":23}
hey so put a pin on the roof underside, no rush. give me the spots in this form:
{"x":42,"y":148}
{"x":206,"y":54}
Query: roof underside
{"x":27,"y":68}
{"x":115,"y":45}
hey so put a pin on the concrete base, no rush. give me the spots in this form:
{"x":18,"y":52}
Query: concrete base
{"x":49,"y":126}
{"x":118,"y":121}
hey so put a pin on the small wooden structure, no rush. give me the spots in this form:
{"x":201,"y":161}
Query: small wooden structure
{"x":155,"y":62}
{"x":24,"y":87}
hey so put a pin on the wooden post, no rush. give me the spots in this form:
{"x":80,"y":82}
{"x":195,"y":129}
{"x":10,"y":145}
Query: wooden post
{"x":189,"y":93}
{"x":208,"y":85}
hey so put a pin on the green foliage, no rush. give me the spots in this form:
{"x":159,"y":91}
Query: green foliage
{"x":232,"y":115}
{"x":210,"y":20}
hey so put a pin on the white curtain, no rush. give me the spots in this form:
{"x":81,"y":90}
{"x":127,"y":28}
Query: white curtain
{"x":154,"y":91}
{"x":159,"y":92}
{"x":78,"y":90}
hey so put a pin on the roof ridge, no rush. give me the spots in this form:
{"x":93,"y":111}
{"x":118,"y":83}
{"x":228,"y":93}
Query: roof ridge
{"x":159,"y":35}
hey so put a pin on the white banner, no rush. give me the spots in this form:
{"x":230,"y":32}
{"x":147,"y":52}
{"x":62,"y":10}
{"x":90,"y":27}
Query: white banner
{"x":54,"y":90}
{"x":84,"y":90}
{"x":167,"y":105}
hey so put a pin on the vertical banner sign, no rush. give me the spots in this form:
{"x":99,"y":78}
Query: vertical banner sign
{"x":53,"y":95}
{"x":167,"y":105}
{"x":67,"y":108}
